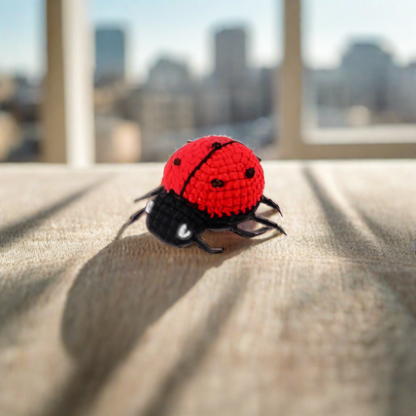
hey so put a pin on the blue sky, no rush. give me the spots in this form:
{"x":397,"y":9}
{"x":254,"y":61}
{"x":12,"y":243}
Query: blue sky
{"x":183,"y":28}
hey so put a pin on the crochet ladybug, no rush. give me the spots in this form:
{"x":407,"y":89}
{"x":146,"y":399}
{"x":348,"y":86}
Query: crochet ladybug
{"x":212,"y":183}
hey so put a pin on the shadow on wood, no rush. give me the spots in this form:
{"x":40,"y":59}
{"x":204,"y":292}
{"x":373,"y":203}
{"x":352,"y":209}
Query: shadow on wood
{"x":197,"y":346}
{"x":19,"y":229}
{"x":21,"y":293}
{"x":399,"y":277}
{"x":117,"y":295}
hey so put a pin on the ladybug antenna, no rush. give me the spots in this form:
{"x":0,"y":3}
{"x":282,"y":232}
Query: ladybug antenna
{"x":150,"y":194}
{"x":271,"y":204}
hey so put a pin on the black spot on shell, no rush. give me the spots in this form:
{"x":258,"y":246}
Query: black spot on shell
{"x":216,"y":145}
{"x":217,"y":183}
{"x":177,"y":161}
{"x":250,"y":173}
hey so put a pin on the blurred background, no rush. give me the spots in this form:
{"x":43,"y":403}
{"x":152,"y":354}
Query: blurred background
{"x":162,"y":72}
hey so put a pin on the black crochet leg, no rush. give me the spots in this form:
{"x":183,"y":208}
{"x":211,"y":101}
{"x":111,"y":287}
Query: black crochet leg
{"x":202,"y":244}
{"x":269,"y":223}
{"x":150,"y":194}
{"x":135,"y":217}
{"x":271,"y":204}
{"x":249,"y":234}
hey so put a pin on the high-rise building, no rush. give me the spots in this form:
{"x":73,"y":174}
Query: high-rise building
{"x":163,"y":107}
{"x":230,"y":55}
{"x":232,"y":74}
{"x":212,"y":103}
{"x":367,"y":70}
{"x":404,"y":92}
{"x":169,"y":75}
{"x":110,"y":54}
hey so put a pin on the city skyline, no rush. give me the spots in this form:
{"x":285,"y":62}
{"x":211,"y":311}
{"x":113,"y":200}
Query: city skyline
{"x":21,"y":36}
{"x":171,"y":104}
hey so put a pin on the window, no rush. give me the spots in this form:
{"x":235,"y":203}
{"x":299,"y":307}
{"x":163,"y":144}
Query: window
{"x":359,"y":71}
{"x":22,"y":68}
{"x":168,"y":71}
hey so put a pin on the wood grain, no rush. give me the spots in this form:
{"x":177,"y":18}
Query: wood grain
{"x":98,"y":322}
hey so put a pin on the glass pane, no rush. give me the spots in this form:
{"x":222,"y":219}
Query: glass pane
{"x":170,"y":71}
{"x":360,"y":70}
{"x":22,"y":67}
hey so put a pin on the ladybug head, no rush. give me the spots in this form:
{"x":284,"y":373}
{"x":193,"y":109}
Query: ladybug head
{"x":173,"y":221}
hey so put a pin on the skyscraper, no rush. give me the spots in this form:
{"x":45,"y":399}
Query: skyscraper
{"x":110,"y":53}
{"x":230,"y":55}
{"x":169,"y":74}
{"x":367,"y":69}
{"x":163,"y":107}
{"x":233,"y":76}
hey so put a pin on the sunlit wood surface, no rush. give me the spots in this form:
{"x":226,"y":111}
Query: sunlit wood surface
{"x":321,"y":322}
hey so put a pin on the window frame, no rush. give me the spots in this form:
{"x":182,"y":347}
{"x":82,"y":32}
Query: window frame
{"x":292,"y":137}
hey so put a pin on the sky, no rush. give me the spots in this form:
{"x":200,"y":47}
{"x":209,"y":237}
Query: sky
{"x":184,"y":29}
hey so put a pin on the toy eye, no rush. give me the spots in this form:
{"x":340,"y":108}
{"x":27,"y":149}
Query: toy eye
{"x":217,"y":183}
{"x":149,"y":206}
{"x":183,"y":232}
{"x":250,"y":173}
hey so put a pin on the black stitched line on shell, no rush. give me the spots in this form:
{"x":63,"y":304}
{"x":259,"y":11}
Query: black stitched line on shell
{"x":188,"y":179}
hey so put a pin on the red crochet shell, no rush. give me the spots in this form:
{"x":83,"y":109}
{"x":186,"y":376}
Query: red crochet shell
{"x":217,"y":173}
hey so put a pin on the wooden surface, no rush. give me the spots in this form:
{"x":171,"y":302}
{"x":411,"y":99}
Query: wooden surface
{"x":321,"y":322}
